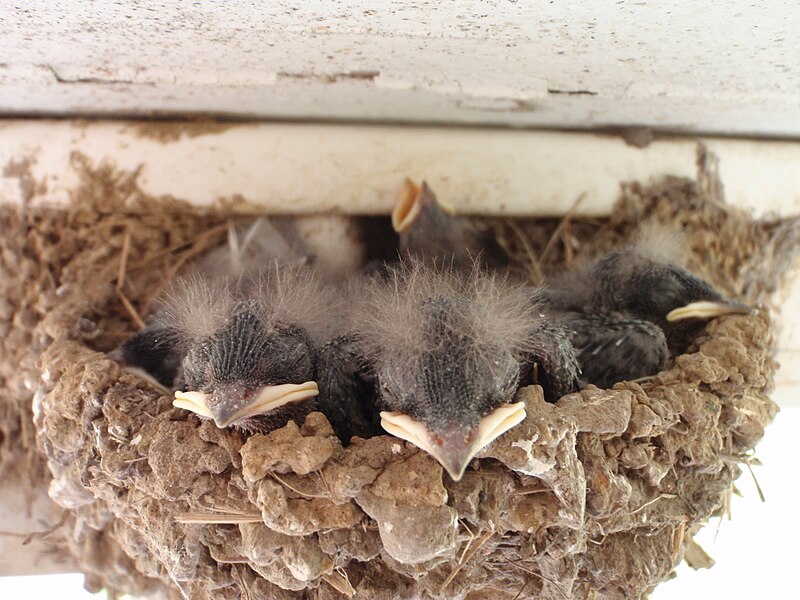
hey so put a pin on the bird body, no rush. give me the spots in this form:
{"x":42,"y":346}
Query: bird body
{"x":628,"y":310}
{"x":611,"y":348}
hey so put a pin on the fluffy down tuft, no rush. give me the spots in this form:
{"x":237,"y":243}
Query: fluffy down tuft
{"x":498,"y":311}
{"x":195,"y":307}
{"x":660,"y":243}
{"x":295,"y":294}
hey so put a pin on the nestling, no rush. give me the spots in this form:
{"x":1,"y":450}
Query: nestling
{"x":249,"y":355}
{"x":628,"y":309}
{"x":443,"y":350}
{"x":429,"y":229}
{"x":238,"y":350}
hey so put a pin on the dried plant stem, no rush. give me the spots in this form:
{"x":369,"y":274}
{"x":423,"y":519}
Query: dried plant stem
{"x":677,"y":541}
{"x":38,"y":535}
{"x":540,"y":576}
{"x":218,"y":518}
{"x":123,"y":259}
{"x":465,"y":559}
{"x":746,"y":462}
{"x":294,"y":489}
{"x":340,"y":583}
{"x":653,"y":501}
{"x":558,"y":230}
{"x":537,"y":272}
{"x":131,"y":310}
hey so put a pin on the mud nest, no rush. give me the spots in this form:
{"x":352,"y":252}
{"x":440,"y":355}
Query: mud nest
{"x":596,"y":496}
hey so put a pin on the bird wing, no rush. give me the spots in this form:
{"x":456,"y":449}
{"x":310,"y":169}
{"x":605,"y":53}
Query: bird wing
{"x":556,"y":366}
{"x":347,"y":389}
{"x":612,"y":349}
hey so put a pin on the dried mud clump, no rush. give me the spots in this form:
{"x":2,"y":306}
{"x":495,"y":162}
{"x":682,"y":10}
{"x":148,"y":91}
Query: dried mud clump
{"x":595,"y":496}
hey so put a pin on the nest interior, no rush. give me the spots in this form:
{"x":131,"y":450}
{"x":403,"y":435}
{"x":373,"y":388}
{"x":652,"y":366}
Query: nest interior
{"x":595,"y":496}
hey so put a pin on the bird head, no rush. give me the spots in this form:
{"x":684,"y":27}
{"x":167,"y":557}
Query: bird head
{"x":428,"y":227}
{"x":659,"y":291}
{"x":446,"y":349}
{"x":151,"y":354}
{"x":418,"y":204}
{"x":454,"y":397}
{"x":247,"y":368}
{"x":243,"y":353}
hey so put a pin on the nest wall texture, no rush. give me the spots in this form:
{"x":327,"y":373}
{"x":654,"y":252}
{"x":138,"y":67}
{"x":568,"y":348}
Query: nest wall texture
{"x":596,"y":496}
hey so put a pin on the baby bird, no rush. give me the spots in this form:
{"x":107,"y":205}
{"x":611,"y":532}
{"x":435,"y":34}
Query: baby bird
{"x":626,"y":310}
{"x":249,"y":359}
{"x":439,"y":352}
{"x":238,"y":347}
{"x":429,"y":229}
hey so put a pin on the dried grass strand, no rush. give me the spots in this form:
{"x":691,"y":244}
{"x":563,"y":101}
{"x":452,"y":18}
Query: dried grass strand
{"x":340,"y":582}
{"x":217,"y":518}
{"x":130,"y":309}
{"x":122,"y":272}
{"x":465,"y":559}
{"x":558,"y":230}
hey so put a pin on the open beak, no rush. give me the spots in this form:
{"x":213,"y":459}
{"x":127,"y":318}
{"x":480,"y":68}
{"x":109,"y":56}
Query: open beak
{"x":413,"y":203}
{"x":407,"y":209}
{"x":268,"y":398}
{"x":454,"y":449}
{"x":707,"y":310}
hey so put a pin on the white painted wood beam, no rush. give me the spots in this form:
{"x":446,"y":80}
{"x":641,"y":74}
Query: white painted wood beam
{"x":283,"y":168}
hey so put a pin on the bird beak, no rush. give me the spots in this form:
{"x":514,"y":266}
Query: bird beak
{"x":414,"y":201}
{"x":268,"y":398}
{"x":144,"y":375}
{"x":456,"y":448}
{"x":707,"y":310}
{"x":197,"y":402}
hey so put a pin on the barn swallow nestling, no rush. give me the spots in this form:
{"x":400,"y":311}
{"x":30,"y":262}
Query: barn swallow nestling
{"x":238,"y":346}
{"x":249,"y":359}
{"x":428,"y":228}
{"x":247,"y":355}
{"x":442,"y":350}
{"x":611,"y":348}
{"x":630,"y":307}
{"x":152,"y":353}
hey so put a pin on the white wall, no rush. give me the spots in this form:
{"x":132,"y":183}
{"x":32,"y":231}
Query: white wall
{"x":724,"y":66}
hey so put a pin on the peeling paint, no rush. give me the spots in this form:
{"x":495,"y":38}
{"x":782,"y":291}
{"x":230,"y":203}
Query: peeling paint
{"x":572,"y":92}
{"x":92,"y":80}
{"x":171,"y":131}
{"x":427,"y":61}
{"x":497,"y":104}
{"x":363,"y":75}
